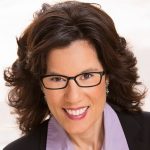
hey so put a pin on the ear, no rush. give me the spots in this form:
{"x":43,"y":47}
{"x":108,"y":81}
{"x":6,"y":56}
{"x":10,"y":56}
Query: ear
{"x":107,"y":78}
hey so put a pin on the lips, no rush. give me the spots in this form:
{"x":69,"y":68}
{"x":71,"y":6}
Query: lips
{"x":76,"y":113}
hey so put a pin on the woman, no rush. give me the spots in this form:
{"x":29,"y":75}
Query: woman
{"x":75,"y":84}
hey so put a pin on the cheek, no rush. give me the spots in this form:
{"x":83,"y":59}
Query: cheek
{"x":98,"y":93}
{"x":53,"y":99}
{"x":98,"y":100}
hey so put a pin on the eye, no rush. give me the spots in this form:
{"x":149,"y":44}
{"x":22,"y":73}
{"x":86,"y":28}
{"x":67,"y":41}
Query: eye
{"x":56,"y":79}
{"x":86,"y":76}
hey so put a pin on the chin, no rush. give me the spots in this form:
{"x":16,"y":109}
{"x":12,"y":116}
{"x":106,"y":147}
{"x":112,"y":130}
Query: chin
{"x":76,"y":128}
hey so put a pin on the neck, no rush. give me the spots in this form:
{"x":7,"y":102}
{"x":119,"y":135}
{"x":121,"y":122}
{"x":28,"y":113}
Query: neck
{"x":90,"y":140}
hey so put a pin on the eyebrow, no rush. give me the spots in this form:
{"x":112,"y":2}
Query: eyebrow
{"x":84,"y":71}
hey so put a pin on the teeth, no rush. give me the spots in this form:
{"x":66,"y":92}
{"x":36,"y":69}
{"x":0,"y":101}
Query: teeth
{"x":76,"y":112}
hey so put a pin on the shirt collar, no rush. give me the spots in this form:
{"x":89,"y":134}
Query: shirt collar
{"x":114,"y":137}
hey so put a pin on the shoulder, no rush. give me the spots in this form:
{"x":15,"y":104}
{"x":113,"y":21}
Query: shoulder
{"x":146,"y":116}
{"x":134,"y":119}
{"x":34,"y":140}
{"x":141,"y":117}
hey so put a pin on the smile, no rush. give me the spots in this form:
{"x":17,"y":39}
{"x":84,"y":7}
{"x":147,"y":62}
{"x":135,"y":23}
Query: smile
{"x":78,"y":113}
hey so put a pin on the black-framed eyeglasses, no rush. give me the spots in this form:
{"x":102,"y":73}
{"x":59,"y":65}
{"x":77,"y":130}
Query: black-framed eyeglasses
{"x":88,"y":79}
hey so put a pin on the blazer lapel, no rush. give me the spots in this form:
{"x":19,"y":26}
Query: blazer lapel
{"x":131,"y":124}
{"x":43,"y":135}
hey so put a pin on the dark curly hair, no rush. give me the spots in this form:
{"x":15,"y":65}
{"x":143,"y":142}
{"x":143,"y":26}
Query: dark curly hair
{"x":57,"y":26}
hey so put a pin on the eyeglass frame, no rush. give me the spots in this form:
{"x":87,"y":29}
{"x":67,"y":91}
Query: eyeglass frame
{"x":101,"y":73}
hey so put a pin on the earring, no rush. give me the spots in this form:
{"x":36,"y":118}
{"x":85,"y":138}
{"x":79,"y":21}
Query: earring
{"x":107,"y":90}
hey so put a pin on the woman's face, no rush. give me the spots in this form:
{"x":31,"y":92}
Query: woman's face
{"x":65,"y":104}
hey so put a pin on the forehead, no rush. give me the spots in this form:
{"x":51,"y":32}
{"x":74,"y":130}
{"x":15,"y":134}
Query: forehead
{"x":80,"y":55}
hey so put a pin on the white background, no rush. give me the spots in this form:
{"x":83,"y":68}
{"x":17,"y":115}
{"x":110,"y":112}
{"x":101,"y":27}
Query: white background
{"x":132,"y":20}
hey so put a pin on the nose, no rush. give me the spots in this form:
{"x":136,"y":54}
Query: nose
{"x":72,"y":92}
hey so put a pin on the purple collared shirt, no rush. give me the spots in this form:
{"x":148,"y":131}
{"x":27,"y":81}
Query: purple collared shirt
{"x":114,"y":138}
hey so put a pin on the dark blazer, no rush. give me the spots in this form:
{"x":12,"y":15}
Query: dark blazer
{"x":136,"y":128}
